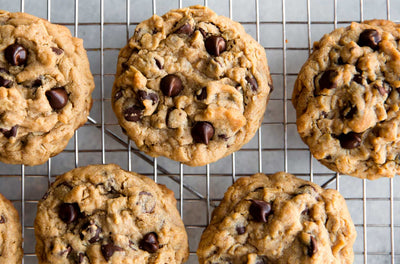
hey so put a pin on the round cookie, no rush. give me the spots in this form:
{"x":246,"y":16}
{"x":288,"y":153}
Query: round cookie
{"x":278,"y":219}
{"x":45,"y":88}
{"x":103,"y":214}
{"x":191,"y":85}
{"x":347,"y":100}
{"x":10,"y":233}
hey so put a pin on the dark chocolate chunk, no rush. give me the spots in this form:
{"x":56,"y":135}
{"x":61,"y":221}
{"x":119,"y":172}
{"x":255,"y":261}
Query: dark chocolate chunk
{"x":133,"y":113}
{"x":9,"y":133}
{"x":185,"y":29}
{"x":143,"y":95}
{"x":171,"y":85}
{"x":57,"y":51}
{"x":253,"y":83}
{"x":350,"y":140}
{"x":240,"y":230}
{"x":358,"y":78}
{"x":202,"y":132}
{"x":202,"y":95}
{"x":371,"y":38}
{"x":108,"y":250}
{"x":2,"y":220}
{"x":260,"y":210}
{"x":69,"y":212}
{"x":215,"y":45}
{"x":327,"y":80}
{"x":158,"y":63}
{"x":5,"y":82}
{"x":149,"y":243}
{"x":16,"y":54}
{"x":92,"y":231}
{"x":312,"y":248}
{"x":57,"y":97}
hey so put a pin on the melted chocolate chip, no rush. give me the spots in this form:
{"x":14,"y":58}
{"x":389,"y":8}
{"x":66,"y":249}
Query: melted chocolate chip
{"x":149,"y":243}
{"x":327,"y":80}
{"x":215,"y":45}
{"x":158,"y":63}
{"x":2,"y":220}
{"x":350,"y":140}
{"x":108,"y":250}
{"x":171,"y":85}
{"x":202,"y":95}
{"x":57,"y":51}
{"x":16,"y":54}
{"x":203,"y":32}
{"x":57,"y":98}
{"x":240,"y":230}
{"x":253,"y":83}
{"x":202,"y":132}
{"x":312,"y":248}
{"x":5,"y":82}
{"x":133,"y":113}
{"x":69,"y":212}
{"x":370,"y":38}
{"x":9,"y":133}
{"x":260,"y":210}
{"x":91,"y":230}
{"x":143,"y":95}
{"x":185,"y":29}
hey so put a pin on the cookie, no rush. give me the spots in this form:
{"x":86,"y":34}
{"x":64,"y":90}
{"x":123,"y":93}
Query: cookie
{"x":45,"y":88}
{"x":278,"y":219}
{"x":191,"y":86}
{"x":347,"y":98}
{"x":103,"y":214}
{"x":10,"y":233}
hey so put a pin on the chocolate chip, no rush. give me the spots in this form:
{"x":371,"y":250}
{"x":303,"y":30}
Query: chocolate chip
{"x":202,"y":132}
{"x":327,"y":80}
{"x":240,"y":230}
{"x":69,"y":212}
{"x":215,"y":45}
{"x":253,"y":83}
{"x":57,"y":51}
{"x":371,"y":38}
{"x":133,"y":113}
{"x":171,"y":85}
{"x":203,"y":32}
{"x":2,"y":220}
{"x":312,"y":248}
{"x":108,"y":250}
{"x":223,"y":136}
{"x":149,"y":243}
{"x":5,"y":82}
{"x":202,"y":95}
{"x":92,"y":231}
{"x":260,"y":210}
{"x":37,"y":83}
{"x":16,"y":54}
{"x":358,"y":78}
{"x":159,"y":65}
{"x":350,"y":140}
{"x":143,"y":95}
{"x":9,"y":133}
{"x":117,"y":95}
{"x":185,"y":29}
{"x":57,"y":97}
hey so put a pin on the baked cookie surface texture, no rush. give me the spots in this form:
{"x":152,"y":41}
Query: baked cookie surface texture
{"x":347,"y":98}
{"x":45,"y":88}
{"x":103,"y":214}
{"x":278,"y":219}
{"x":10,"y":233}
{"x":191,"y":85}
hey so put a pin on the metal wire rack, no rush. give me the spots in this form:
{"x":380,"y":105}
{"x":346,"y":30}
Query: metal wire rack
{"x":286,"y":29}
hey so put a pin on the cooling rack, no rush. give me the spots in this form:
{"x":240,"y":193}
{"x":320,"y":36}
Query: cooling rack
{"x":286,"y":29}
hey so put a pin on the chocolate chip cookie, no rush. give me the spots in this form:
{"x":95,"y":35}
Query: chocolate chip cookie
{"x":347,"y":98}
{"x":10,"y":233}
{"x":103,"y":214}
{"x":278,"y":219}
{"x":45,"y":88}
{"x":191,"y":85}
